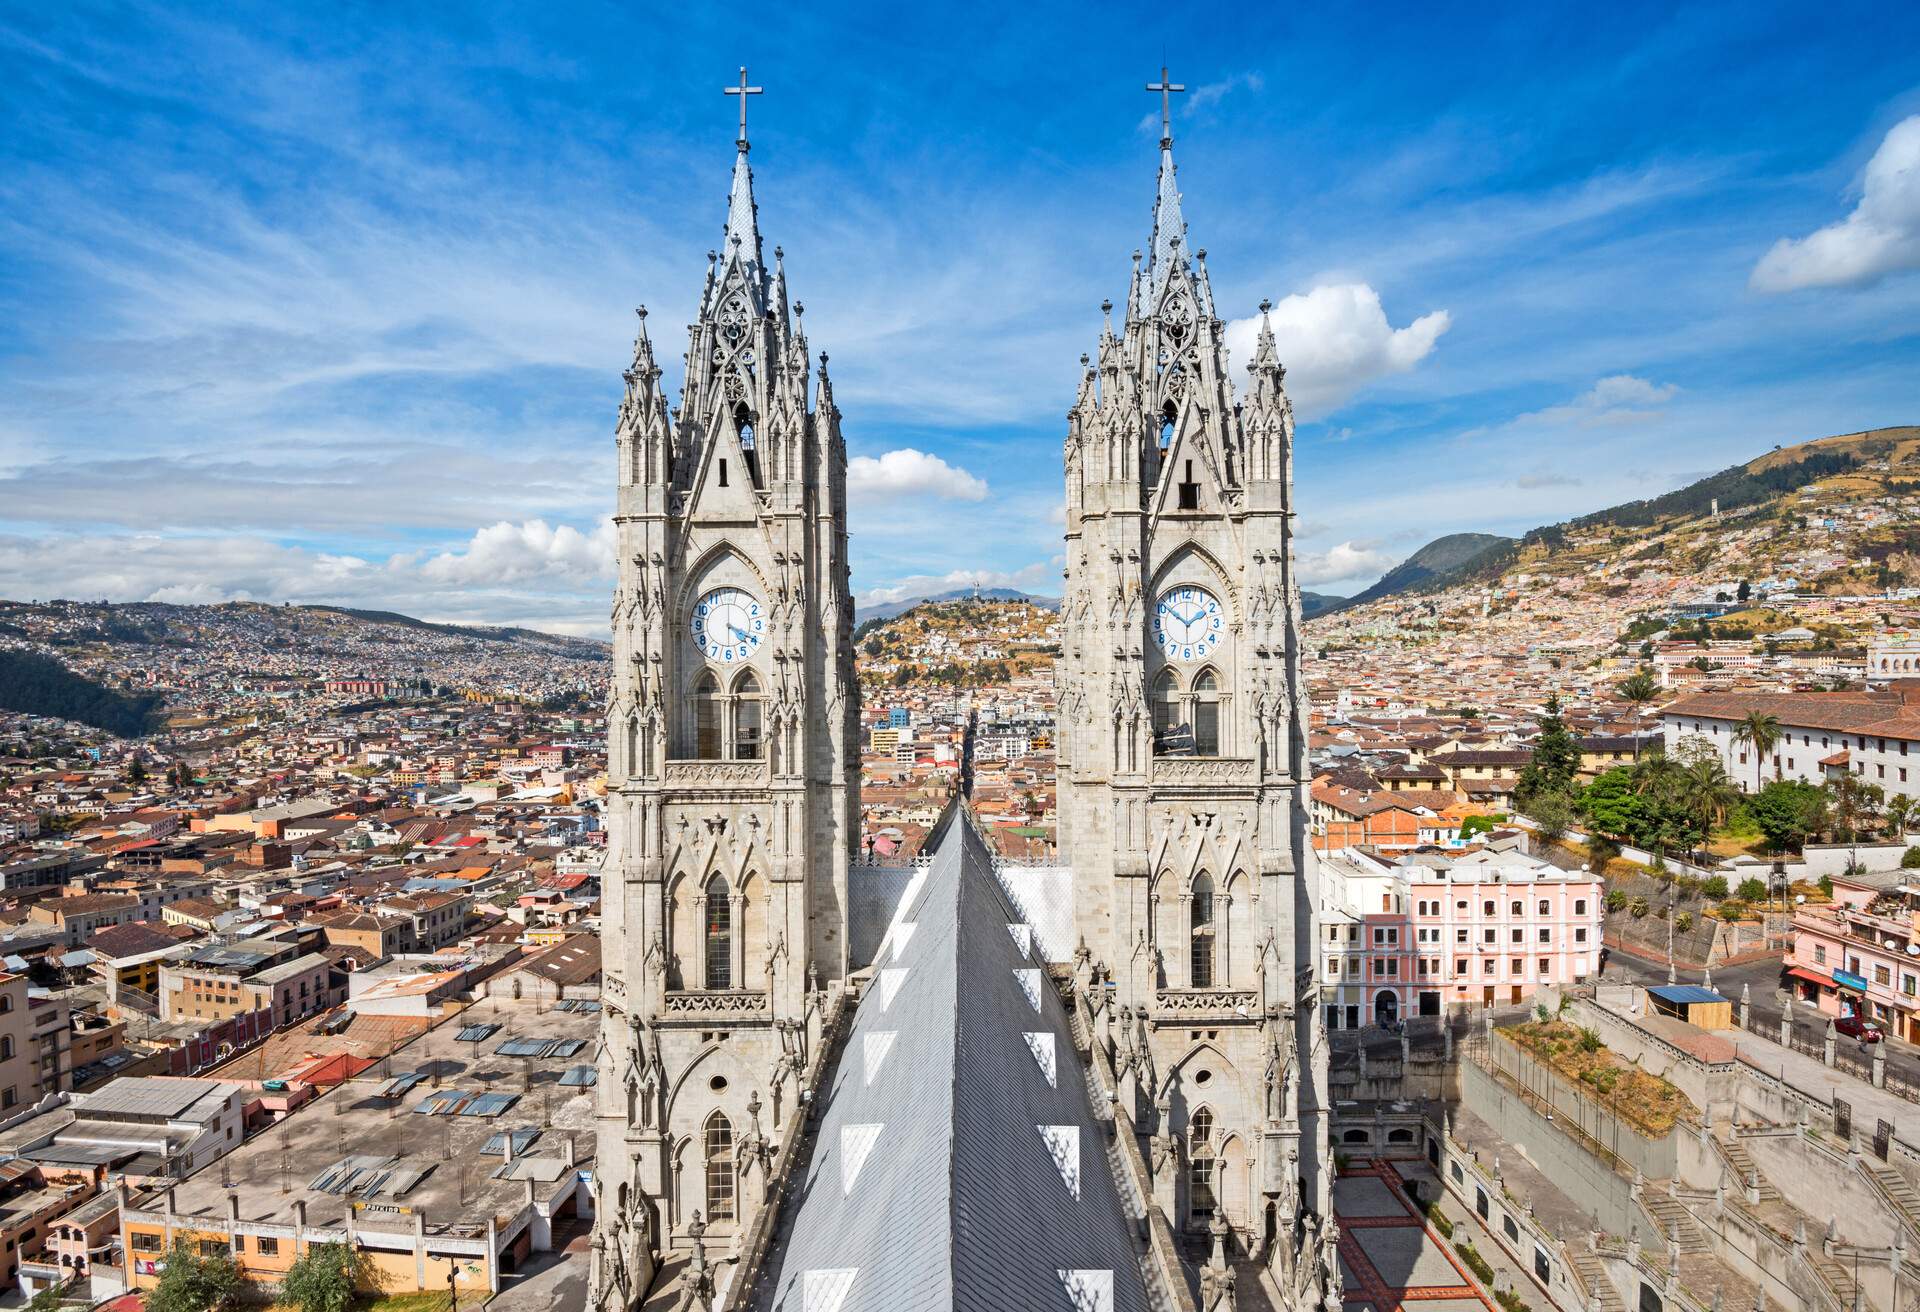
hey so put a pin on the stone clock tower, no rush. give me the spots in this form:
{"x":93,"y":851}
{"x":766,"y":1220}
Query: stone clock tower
{"x":732,"y":768}
{"x":1181,"y":745}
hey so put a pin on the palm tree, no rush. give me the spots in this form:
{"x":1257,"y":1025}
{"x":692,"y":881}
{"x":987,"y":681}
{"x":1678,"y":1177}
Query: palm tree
{"x":1762,"y":732}
{"x":1638,"y":689}
{"x":1704,"y":791}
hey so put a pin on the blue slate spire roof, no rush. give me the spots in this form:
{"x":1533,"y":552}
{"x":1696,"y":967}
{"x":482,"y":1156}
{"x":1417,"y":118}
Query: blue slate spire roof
{"x":1169,"y":247}
{"x":959,"y":1163}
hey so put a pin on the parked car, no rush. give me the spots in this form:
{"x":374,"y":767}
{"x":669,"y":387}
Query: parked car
{"x":1859,"y":1027}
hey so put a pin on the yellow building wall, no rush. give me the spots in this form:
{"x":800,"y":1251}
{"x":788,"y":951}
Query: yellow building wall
{"x":386,"y":1272}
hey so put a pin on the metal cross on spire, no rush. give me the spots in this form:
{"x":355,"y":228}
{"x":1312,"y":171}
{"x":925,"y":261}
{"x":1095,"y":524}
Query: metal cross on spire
{"x":743,"y":91}
{"x":1166,"y":89}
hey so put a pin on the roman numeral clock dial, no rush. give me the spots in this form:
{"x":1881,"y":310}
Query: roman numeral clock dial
{"x":1188,"y":623}
{"x":728,"y":625}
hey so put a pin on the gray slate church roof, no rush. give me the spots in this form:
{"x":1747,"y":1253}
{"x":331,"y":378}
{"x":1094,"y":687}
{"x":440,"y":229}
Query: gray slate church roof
{"x":958,"y":1163}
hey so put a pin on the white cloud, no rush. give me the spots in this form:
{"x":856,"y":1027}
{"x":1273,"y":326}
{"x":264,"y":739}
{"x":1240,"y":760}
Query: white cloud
{"x":1039,"y":577}
{"x":1335,"y":340}
{"x":1344,"y":561}
{"x":514,"y":553}
{"x":906,"y":473}
{"x":1615,"y":400}
{"x":1880,"y":237}
{"x":553,"y":578}
{"x":1202,"y":98}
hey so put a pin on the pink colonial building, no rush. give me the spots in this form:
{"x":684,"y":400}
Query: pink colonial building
{"x":1861,"y":955}
{"x":1419,"y":933}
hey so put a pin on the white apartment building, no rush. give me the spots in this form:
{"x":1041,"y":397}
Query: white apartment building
{"x":1872,"y":735}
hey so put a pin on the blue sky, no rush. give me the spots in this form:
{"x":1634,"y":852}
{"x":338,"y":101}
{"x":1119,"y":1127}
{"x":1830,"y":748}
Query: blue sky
{"x":330,"y":303}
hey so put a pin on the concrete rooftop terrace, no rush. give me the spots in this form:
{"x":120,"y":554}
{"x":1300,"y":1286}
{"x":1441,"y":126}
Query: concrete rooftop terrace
{"x":279,"y":1166}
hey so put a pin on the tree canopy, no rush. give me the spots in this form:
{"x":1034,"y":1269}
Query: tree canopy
{"x":195,"y":1282}
{"x":1789,"y":812}
{"x":1556,"y":758}
{"x":322,"y":1279}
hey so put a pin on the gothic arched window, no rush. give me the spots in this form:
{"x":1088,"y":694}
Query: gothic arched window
{"x":717,"y":1151}
{"x":706,"y":717}
{"x":717,"y":934}
{"x":1166,"y":426}
{"x":1206,"y":713}
{"x":633,"y":745}
{"x":1201,"y":925}
{"x":1166,"y":705}
{"x":743,"y":422}
{"x":747,"y":731}
{"x":1202,"y":1165}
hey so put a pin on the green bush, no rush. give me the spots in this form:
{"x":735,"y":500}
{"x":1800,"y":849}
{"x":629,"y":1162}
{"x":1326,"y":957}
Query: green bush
{"x":1475,"y":1263}
{"x":1439,"y":1220}
{"x":1751,"y":890}
{"x":1714,"y":886}
{"x":1911,"y":861}
{"x":1511,"y":1301}
{"x":191,"y":1282}
{"x":322,"y":1279}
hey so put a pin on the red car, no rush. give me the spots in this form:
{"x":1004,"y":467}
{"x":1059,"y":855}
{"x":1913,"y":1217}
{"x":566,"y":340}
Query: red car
{"x":1858,"y":1027}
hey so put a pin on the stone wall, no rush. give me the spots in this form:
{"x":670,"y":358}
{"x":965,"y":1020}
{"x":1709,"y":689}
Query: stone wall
{"x":1713,"y":1087}
{"x":1656,"y":1157}
{"x":1587,"y":1180}
{"x":1512,"y":1226}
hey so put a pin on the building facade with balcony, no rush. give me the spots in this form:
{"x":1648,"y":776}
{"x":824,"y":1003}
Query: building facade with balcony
{"x":1861,"y":954}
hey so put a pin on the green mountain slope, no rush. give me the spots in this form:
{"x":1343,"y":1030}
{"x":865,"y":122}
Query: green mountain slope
{"x":39,"y":685}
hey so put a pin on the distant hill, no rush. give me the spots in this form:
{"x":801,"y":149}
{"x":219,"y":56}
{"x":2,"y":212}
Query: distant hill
{"x":1319,"y":603}
{"x":889,"y":609}
{"x":32,"y":684}
{"x":1430,"y":566}
{"x":1842,"y":460}
{"x":486,"y":633}
{"x":79,"y":624}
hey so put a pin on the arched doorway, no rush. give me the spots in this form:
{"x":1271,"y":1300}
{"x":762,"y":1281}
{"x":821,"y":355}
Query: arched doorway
{"x":1386,"y":1007}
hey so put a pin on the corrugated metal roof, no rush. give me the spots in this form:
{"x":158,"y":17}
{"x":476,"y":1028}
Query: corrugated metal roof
{"x":1685,"y":993}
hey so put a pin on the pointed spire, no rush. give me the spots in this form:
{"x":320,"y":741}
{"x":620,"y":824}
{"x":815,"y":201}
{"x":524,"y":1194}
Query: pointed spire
{"x":743,"y":229}
{"x":1266,"y":354}
{"x":643,"y":364}
{"x":1169,"y":225}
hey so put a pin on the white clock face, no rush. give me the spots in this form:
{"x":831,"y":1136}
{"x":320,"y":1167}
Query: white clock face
{"x":728,"y":625}
{"x":1188,"y":623}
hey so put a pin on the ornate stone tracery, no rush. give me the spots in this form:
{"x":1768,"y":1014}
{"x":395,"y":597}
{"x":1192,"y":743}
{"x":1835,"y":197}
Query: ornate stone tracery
{"x":1188,"y":842}
{"x":724,"y":836}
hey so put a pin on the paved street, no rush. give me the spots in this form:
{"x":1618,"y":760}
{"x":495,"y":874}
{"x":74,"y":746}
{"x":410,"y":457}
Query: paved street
{"x":1763,"y":977}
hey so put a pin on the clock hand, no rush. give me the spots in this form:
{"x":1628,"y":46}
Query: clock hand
{"x":739,"y":632}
